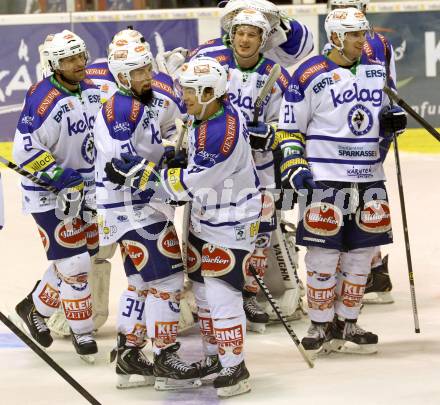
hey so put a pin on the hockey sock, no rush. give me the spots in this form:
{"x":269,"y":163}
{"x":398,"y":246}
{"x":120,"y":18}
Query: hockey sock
{"x":46,"y":295}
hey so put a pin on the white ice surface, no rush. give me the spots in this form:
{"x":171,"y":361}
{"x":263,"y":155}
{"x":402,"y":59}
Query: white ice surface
{"x":405,"y":371}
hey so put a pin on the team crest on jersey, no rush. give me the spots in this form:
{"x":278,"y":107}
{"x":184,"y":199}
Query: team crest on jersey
{"x":168,"y":243}
{"x":216,"y":261}
{"x":70,"y":234}
{"x":88,"y":150}
{"x":322,"y":219}
{"x":193,"y":259}
{"x":360,"y":120}
{"x":375,"y":217}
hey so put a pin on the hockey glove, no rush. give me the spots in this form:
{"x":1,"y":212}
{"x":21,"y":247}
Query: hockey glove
{"x":71,"y":190}
{"x":298,"y":176}
{"x":133,"y":171}
{"x":261,"y":136}
{"x":392,"y":121}
{"x":175,"y":160}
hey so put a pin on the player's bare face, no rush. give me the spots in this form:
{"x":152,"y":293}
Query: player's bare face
{"x":353,"y":44}
{"x":192,"y":104}
{"x":247,"y":41}
{"x":141,"y":79}
{"x":73,"y":67}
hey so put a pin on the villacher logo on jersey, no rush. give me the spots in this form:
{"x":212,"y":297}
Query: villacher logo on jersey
{"x":375,"y":96}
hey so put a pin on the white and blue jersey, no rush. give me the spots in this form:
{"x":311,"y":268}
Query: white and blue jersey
{"x":298,"y":45}
{"x":55,"y":128}
{"x":220,"y":180}
{"x":124,"y":125}
{"x":334,"y":112}
{"x":167,"y":105}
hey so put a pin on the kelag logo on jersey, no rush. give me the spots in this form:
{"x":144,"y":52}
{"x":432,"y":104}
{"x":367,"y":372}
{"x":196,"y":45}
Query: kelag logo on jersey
{"x":360,"y":120}
{"x":245,"y":102}
{"x":79,"y":127}
{"x":375,"y":96}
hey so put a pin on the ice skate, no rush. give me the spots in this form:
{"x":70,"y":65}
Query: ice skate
{"x":34,"y":321}
{"x":255,"y":315}
{"x":208,"y":368}
{"x":379,"y":286}
{"x":85,"y":346}
{"x":172,"y":373}
{"x":133,"y":369}
{"x":349,"y":337}
{"x":317,"y":341}
{"x":232,"y":381}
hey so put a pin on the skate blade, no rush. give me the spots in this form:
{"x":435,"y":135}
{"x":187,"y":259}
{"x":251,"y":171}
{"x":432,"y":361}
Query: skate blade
{"x":88,"y":358}
{"x":378,"y":298}
{"x":342,"y":346}
{"x":170,"y":384}
{"x":323,"y":351}
{"x":256,"y":327}
{"x":19,"y":323}
{"x":134,"y":380}
{"x":241,"y":388}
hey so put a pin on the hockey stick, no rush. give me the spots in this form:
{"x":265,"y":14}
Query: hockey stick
{"x":28,"y":175}
{"x":280,"y":315}
{"x":265,"y":90}
{"x":63,"y":373}
{"x":412,"y":289}
{"x":425,"y":124}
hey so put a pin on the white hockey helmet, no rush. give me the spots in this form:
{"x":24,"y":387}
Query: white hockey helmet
{"x":253,"y":18}
{"x":202,"y":73}
{"x":124,"y":59}
{"x":359,"y":4}
{"x":62,"y":45}
{"x":343,"y":20}
{"x":127,"y":36}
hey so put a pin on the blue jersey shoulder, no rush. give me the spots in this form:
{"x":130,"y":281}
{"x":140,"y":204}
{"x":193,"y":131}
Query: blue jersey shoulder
{"x":217,"y":138}
{"x":99,"y":71}
{"x":224,"y":56}
{"x":283,"y":80}
{"x":205,"y":45}
{"x":40,"y":100}
{"x":297,"y":38}
{"x":376,"y":49}
{"x":122,"y":114}
{"x":163,"y":84}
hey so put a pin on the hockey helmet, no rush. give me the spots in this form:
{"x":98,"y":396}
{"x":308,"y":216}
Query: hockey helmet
{"x":253,"y":18}
{"x":62,"y":45}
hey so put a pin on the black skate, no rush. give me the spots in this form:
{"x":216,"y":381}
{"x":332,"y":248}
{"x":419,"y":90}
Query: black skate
{"x":172,"y":373}
{"x":318,"y":338}
{"x":232,"y":381}
{"x":255,"y":315}
{"x":34,"y":321}
{"x":377,"y":290}
{"x":85,"y":346}
{"x":208,"y":366}
{"x":349,"y":337}
{"x":131,"y":362}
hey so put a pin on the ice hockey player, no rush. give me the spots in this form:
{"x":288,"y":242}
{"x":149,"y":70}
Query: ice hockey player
{"x":288,"y":41}
{"x":222,"y":183}
{"x":54,"y":141}
{"x":127,"y":126}
{"x":337,"y":157}
{"x":377,"y":47}
{"x":247,"y":71}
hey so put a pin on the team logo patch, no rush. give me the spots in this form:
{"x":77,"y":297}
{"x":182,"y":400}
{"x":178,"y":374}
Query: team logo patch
{"x":320,"y":299}
{"x":168,"y":243}
{"x":78,"y":310}
{"x":70,"y":235}
{"x":50,"y":296}
{"x":88,"y":150}
{"x":360,"y":120}
{"x":351,"y":294}
{"x":193,"y":259}
{"x":263,"y":240}
{"x":240,"y":232}
{"x":229,"y":339}
{"x":92,"y":236}
{"x":216,"y":261}
{"x":322,"y":219}
{"x":137,"y":252}
{"x":166,"y":332}
{"x":375,"y":217}
{"x":268,"y":207}
{"x":44,"y":238}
